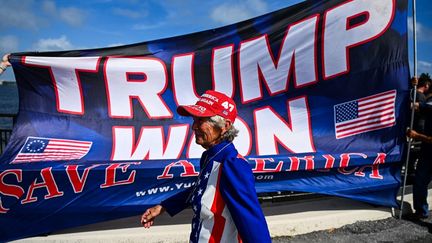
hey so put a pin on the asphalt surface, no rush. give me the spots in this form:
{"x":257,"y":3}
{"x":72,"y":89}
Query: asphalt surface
{"x":328,"y":219}
{"x":385,"y":230}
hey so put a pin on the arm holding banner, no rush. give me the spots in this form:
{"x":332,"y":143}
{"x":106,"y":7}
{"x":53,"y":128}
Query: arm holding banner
{"x":5,"y":63}
{"x":419,"y":136}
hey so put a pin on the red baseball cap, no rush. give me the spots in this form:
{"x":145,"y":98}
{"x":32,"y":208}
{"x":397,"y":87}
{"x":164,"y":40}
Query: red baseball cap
{"x":211,"y":103}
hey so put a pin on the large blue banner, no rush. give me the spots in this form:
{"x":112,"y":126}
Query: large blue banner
{"x":322,"y":93}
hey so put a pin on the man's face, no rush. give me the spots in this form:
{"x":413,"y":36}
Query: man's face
{"x":206,"y":134}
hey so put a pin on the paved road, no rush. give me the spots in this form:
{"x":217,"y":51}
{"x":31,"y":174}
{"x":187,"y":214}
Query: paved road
{"x":316,"y":220}
{"x":385,"y":230}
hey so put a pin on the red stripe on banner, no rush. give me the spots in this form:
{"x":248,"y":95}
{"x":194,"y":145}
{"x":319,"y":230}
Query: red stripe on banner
{"x":50,"y":155}
{"x":366,"y":130}
{"x":387,"y":112}
{"x":364,"y":119}
{"x":374,"y":112}
{"x":217,"y":209}
{"x":69,"y":141}
{"x":375,"y":102}
{"x":377,"y":95}
{"x":43,"y":160}
{"x":367,"y":124}
{"x":376,"y":107}
{"x":56,"y":152}
{"x":67,"y":146}
{"x":64,"y":149}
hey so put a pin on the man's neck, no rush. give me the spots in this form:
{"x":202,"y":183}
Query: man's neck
{"x":421,"y":90}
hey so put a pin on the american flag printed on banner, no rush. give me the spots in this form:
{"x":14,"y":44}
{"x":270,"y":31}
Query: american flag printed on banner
{"x":365,"y":114}
{"x":52,"y":149}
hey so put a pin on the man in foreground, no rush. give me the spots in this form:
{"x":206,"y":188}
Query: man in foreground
{"x":224,"y":200}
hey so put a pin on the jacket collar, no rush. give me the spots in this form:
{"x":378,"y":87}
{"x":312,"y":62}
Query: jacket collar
{"x":217,"y":148}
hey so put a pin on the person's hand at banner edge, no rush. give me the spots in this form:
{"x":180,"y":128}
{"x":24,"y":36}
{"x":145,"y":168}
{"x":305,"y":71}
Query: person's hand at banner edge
{"x":414,"y":81}
{"x":418,"y":136}
{"x":5,"y":63}
{"x":415,"y":105}
{"x":150,"y":214}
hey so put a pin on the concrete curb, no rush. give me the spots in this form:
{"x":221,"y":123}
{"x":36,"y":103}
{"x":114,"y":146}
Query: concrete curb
{"x":284,"y":219}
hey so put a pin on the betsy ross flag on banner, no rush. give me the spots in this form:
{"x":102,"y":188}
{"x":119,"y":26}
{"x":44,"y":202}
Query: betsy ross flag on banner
{"x":52,"y":149}
{"x":366,"y":114}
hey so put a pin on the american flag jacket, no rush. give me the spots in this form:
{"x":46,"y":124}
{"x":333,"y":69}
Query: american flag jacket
{"x":224,"y":200}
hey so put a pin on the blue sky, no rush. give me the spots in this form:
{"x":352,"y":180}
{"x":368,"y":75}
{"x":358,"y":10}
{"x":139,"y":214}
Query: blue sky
{"x":48,"y":25}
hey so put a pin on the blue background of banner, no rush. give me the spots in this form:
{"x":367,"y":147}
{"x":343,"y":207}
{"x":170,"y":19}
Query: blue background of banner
{"x":377,"y":66}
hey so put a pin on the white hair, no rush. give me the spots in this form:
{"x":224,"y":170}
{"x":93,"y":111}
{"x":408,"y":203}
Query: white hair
{"x":219,"y":121}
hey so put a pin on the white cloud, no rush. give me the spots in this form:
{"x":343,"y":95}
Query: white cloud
{"x":50,"y":44}
{"x":147,"y":26}
{"x":133,"y":14}
{"x":72,"y":16}
{"x":423,"y":33}
{"x":424,"y":67}
{"x":49,"y":7}
{"x":9,"y":44}
{"x":425,"y":64}
{"x":26,"y":14}
{"x":231,"y":13}
{"x":18,"y":14}
{"x":227,"y":14}
{"x":258,"y":6}
{"x":115,"y":44}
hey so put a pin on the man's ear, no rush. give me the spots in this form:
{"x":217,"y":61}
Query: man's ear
{"x":227,"y":126}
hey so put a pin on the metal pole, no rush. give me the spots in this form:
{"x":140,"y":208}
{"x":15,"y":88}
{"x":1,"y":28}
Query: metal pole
{"x":412,"y":108}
